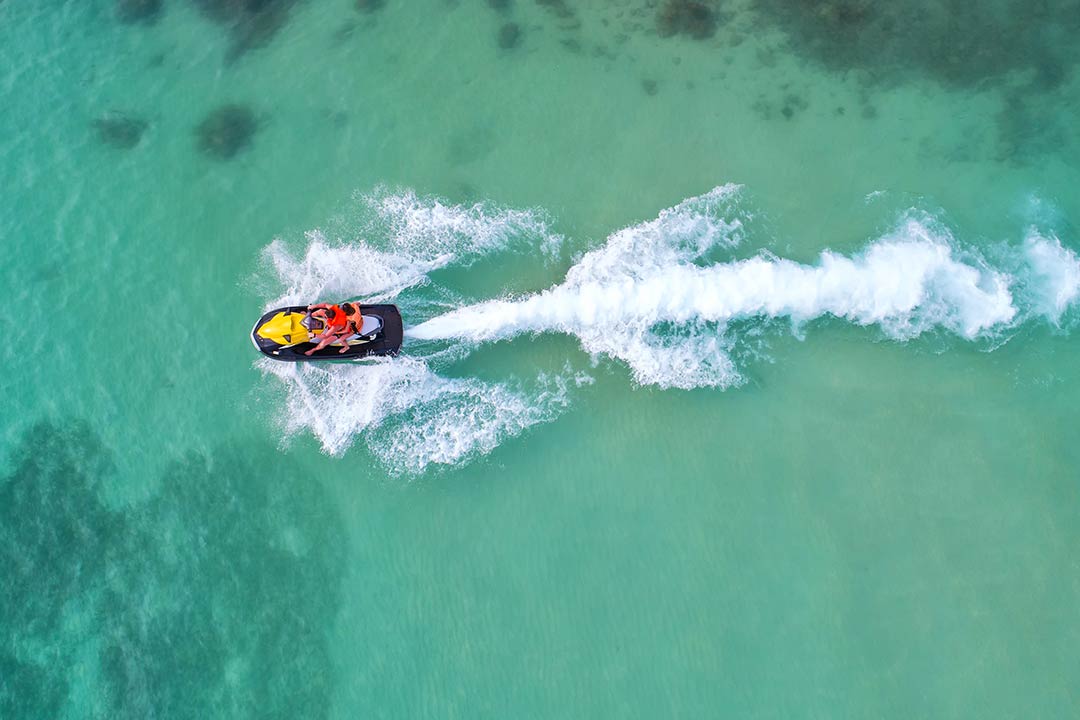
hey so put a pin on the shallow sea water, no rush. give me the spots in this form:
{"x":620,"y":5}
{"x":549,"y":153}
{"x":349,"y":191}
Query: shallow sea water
{"x":648,"y":452}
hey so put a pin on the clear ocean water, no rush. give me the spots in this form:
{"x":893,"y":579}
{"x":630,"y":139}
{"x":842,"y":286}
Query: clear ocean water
{"x":741,"y":376}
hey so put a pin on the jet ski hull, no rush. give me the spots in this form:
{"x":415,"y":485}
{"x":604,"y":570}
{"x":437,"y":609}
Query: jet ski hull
{"x":280,"y":335}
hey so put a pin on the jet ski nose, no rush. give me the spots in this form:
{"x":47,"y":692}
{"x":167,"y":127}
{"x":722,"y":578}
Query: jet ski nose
{"x":284,"y":328}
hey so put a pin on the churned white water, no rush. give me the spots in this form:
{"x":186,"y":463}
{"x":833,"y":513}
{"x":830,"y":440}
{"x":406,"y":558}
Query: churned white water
{"x":399,"y":240}
{"x":644,"y":297}
{"x":658,"y":296}
{"x":414,"y":416}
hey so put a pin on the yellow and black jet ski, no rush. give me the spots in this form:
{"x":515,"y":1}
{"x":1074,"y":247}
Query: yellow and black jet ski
{"x":287,"y":333}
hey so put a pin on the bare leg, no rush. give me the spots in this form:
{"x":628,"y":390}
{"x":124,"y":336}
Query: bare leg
{"x":327,"y":338}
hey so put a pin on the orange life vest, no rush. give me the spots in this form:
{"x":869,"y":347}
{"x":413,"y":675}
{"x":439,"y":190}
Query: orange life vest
{"x":337,"y":319}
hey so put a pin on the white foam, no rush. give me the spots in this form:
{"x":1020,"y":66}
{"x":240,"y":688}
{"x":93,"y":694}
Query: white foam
{"x":1054,"y":284}
{"x":641,"y":299}
{"x":426,"y":227}
{"x":395,"y":242}
{"x":409,"y":416}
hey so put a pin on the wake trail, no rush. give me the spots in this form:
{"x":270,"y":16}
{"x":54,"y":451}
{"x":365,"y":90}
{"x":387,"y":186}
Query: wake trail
{"x":644,"y":298}
{"x":664,"y":297}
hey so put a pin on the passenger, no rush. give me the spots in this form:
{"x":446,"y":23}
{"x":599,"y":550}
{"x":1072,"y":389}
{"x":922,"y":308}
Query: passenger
{"x":356,"y":320}
{"x":336,"y":325}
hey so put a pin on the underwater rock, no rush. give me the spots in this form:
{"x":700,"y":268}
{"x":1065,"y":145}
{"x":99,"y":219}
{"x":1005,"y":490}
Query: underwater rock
{"x":227,"y":131}
{"x":500,"y":5}
{"x":509,"y":36}
{"x":792,"y":104}
{"x":257,"y":30}
{"x":559,"y":7}
{"x":369,"y":6}
{"x":143,"y":12}
{"x":251,"y":23}
{"x":649,"y":86}
{"x":686,"y":17}
{"x":119,"y":130}
{"x":211,"y":598}
{"x":27,"y":690}
{"x":220,"y":547}
{"x":54,"y":531}
{"x":952,"y":42}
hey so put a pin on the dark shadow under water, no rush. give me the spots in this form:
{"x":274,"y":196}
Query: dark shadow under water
{"x":213,"y":598}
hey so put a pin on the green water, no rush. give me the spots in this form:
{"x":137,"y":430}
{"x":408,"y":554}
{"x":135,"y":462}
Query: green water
{"x":854,"y":523}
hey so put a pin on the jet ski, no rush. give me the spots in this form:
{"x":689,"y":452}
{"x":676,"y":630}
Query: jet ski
{"x":287,"y":333}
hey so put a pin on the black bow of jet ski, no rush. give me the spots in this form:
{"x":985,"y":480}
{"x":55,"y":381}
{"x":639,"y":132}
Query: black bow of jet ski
{"x":289,"y":332}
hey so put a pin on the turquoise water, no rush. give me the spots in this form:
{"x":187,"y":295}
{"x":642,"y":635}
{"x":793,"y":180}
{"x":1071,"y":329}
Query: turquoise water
{"x":741,"y":376}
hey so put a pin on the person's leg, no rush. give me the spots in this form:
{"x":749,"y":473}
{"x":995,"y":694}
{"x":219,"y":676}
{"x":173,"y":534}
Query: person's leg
{"x":327,"y":338}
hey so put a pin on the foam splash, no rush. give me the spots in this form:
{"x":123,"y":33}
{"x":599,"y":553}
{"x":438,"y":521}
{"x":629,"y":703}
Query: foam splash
{"x":1054,"y":281}
{"x":399,"y":240}
{"x":644,"y":299}
{"x":410,"y":416}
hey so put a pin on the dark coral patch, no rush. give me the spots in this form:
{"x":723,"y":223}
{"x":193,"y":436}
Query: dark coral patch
{"x":143,"y":12}
{"x":509,"y":36}
{"x":686,"y":17}
{"x":248,"y":572}
{"x":954,"y":42}
{"x":251,"y":23}
{"x":227,"y":131}
{"x":119,"y":130}
{"x":211,"y":599}
{"x":55,"y":534}
{"x":558,"y":7}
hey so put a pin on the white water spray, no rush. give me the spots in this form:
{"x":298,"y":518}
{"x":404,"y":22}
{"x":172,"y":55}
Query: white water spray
{"x":410,"y":416}
{"x":642,"y":298}
{"x":658,"y":296}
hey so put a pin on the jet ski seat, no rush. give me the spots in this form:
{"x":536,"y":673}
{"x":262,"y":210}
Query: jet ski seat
{"x":372,"y":325}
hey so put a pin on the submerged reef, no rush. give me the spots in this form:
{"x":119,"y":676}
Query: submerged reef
{"x":143,"y":12}
{"x":1024,"y":49}
{"x":251,"y":23}
{"x":227,"y":131}
{"x":509,"y":36}
{"x":558,"y":7}
{"x":120,"y":130}
{"x":686,"y":17}
{"x":212,"y":598}
{"x":55,"y":534}
{"x":369,"y":6}
{"x":56,"y":541}
{"x":954,"y":42}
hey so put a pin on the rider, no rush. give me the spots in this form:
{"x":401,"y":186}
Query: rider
{"x":336,"y":324}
